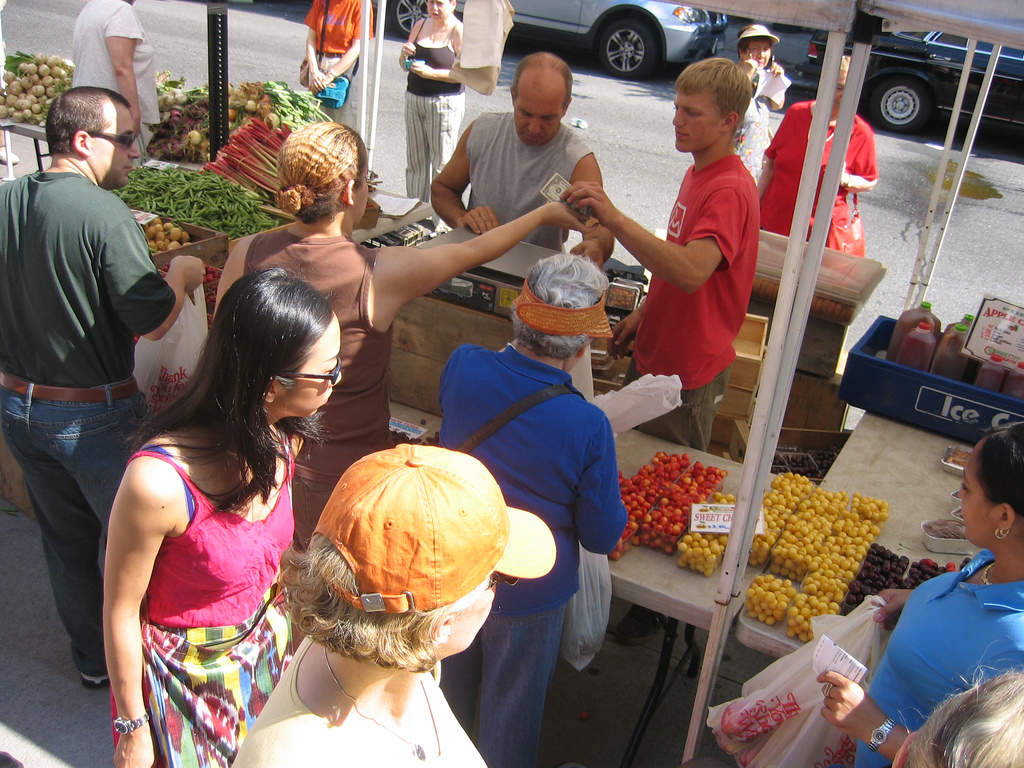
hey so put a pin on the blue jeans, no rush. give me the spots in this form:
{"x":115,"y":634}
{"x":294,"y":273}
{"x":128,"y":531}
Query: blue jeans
{"x":72,"y":456}
{"x":506,"y":672}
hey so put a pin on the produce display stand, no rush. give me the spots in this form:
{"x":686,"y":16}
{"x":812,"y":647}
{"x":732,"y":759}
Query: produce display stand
{"x":35,"y":132}
{"x":887,"y":460}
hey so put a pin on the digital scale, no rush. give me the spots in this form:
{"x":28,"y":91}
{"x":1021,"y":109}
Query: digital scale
{"x":492,"y":287}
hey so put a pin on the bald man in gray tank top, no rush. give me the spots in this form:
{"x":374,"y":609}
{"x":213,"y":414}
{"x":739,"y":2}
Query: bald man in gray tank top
{"x":505,"y":159}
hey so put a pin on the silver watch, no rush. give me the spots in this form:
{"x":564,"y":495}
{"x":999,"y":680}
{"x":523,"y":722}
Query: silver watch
{"x":124,"y":726}
{"x":880,"y":734}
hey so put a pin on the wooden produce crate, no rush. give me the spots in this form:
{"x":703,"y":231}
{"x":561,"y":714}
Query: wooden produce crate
{"x":12,"y":483}
{"x":208,"y":245}
{"x":744,"y":378}
{"x":426,"y":332}
{"x":808,"y":444}
{"x":814,"y":403}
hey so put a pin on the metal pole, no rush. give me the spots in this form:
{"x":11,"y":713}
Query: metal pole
{"x":961,"y":169}
{"x":382,"y":7}
{"x":792,"y":306}
{"x":920,"y":263}
{"x":217,"y":44}
{"x":364,"y":36}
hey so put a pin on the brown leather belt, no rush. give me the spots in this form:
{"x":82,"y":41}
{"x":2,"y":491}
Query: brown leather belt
{"x":69,"y":394}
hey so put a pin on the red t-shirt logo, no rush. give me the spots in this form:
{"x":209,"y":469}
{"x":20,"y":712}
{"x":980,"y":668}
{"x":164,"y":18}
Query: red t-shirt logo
{"x":675,"y":221}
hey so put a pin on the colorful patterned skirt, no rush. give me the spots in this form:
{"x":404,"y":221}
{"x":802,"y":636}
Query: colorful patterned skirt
{"x":205,"y":687}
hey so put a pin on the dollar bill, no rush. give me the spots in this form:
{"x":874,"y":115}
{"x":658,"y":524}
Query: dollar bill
{"x":554,"y":187}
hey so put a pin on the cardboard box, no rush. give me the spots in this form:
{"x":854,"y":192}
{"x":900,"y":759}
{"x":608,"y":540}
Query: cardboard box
{"x":961,"y":411}
{"x":789,"y":438}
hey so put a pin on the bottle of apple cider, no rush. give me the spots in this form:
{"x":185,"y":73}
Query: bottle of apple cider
{"x":918,"y":347}
{"x":1013,"y":384}
{"x":948,"y":360}
{"x":991,"y":374}
{"x":907,"y":322}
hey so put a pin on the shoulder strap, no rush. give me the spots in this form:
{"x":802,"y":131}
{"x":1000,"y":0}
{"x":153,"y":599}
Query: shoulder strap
{"x":323,"y":26}
{"x":503,"y":418}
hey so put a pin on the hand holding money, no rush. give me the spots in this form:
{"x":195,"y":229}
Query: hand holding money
{"x":554,"y":189}
{"x":590,"y":196}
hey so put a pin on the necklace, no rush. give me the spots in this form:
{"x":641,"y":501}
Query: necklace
{"x":417,"y":749}
{"x":984,"y":574}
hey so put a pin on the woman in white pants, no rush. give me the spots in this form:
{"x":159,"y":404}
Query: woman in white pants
{"x":434,"y":101}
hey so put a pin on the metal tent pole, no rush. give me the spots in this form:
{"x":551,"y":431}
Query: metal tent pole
{"x":382,"y":6}
{"x":961,"y":169}
{"x":917,"y":283}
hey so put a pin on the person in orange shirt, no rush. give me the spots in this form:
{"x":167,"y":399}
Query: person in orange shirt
{"x":332,"y":50}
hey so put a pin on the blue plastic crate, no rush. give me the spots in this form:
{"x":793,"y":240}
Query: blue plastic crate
{"x":923,"y":399}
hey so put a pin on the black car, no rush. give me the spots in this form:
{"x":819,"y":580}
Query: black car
{"x":911,"y":75}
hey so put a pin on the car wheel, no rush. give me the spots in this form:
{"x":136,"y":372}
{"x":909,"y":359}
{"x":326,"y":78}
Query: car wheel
{"x":402,"y":14}
{"x":901,"y":104}
{"x":629,"y":48}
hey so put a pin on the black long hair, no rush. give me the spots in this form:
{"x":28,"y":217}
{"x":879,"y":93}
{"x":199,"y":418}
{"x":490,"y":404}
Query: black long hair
{"x":266,"y":325}
{"x":1001,"y":466}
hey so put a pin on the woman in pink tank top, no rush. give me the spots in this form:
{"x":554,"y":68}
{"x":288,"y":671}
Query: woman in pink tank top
{"x":322,"y":169}
{"x":192,"y":620}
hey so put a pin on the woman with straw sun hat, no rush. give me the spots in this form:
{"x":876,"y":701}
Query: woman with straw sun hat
{"x":399,"y":574}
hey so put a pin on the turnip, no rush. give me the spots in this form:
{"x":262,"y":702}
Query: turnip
{"x":26,"y":83}
{"x":54,"y":61}
{"x":250,"y":106}
{"x":47,"y":81}
{"x":43,"y":70}
{"x":51,"y":91}
{"x":22,"y":104}
{"x":57,"y":72}
{"x":15,"y":87}
{"x":8,"y":77}
{"x":36,"y":109}
{"x":195,"y":138}
{"x":38,"y":90}
{"x":10,"y":100}
{"x":4,"y":113}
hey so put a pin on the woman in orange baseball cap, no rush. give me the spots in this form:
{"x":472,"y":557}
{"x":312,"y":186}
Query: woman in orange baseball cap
{"x":399,"y":574}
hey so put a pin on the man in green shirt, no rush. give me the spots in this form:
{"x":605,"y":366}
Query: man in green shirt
{"x":76,"y":285}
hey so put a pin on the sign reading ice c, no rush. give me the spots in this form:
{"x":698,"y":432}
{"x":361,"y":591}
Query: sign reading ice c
{"x":954,"y":408}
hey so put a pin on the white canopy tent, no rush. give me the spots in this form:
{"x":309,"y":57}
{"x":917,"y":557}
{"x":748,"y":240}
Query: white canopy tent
{"x":1000,"y":22}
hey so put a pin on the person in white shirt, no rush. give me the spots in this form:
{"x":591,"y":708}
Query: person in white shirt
{"x":111,"y":51}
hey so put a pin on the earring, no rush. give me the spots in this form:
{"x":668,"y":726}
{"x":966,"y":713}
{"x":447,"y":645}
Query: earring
{"x":1002,"y":533}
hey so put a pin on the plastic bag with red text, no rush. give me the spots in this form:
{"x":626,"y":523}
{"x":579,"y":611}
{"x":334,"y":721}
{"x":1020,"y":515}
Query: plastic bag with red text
{"x":163,"y":367}
{"x":777,"y":722}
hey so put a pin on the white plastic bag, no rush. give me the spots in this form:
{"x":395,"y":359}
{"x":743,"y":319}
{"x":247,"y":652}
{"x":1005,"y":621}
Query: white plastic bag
{"x":639,"y":401}
{"x":777,"y":722}
{"x":163,"y":367}
{"x":485,"y":27}
{"x":586,"y":615}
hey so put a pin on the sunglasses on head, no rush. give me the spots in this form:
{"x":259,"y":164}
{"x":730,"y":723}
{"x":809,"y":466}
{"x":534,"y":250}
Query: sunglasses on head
{"x":125,"y":139}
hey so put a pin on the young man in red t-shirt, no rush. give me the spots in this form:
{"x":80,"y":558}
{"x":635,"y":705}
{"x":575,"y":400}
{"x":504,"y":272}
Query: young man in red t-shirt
{"x":704,"y":271}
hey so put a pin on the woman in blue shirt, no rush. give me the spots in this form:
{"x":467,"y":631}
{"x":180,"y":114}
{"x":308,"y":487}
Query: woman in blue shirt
{"x":556,"y":459}
{"x":955,"y":629}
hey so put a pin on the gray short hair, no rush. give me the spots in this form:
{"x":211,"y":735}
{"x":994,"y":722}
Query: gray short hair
{"x":562,"y":280}
{"x":982,"y":727}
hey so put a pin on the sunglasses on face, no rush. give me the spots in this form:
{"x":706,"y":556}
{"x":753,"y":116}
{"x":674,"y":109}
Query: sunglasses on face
{"x":125,"y":139}
{"x":500,"y":578}
{"x":333,"y":376}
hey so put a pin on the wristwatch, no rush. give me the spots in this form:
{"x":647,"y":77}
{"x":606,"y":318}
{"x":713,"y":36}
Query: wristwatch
{"x":124,"y":726}
{"x":880,"y":734}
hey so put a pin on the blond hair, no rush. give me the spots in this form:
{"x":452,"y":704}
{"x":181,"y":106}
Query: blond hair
{"x":981,"y":728}
{"x":725,"y":81}
{"x":311,"y":581}
{"x":314,"y":165}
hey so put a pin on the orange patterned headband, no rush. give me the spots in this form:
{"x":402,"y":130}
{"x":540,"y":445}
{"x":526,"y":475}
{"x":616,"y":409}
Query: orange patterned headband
{"x":562,"y":321}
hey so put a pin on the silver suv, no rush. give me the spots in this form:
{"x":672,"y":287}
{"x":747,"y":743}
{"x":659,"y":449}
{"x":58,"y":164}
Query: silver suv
{"x":632,"y":38}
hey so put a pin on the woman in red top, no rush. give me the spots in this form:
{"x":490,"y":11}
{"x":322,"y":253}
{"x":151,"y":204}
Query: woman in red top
{"x":784,"y":159}
{"x":195,"y":638}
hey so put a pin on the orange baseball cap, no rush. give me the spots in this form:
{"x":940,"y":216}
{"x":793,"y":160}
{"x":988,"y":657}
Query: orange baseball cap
{"x":423,"y":526}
